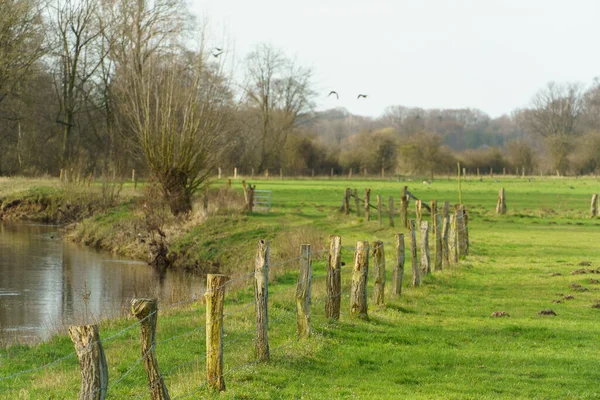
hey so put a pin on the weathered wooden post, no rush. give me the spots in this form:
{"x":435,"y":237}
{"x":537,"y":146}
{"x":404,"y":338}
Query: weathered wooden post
{"x":379,"y":210}
{"x":461,"y":231}
{"x":220,"y":172}
{"x":434,"y":211}
{"x":334,"y":278}
{"x":425,"y":258}
{"x":416,"y":276}
{"x":453,"y":240}
{"x":445,"y":248}
{"x":261,"y":300}
{"x":60,"y":178}
{"x":367,"y":203}
{"x":267,"y":173}
{"x":214,"y":296}
{"x":594,"y":207}
{"x":391,"y":208}
{"x":356,"y":202}
{"x":398,"y":272}
{"x":501,"y":205}
{"x":478,"y":172}
{"x":379,"y":273}
{"x":491,"y":172}
{"x":303,"y":290}
{"x":438,"y":243}
{"x":92,"y":361}
{"x":146,"y":311}
{"x":419,"y":211}
{"x":332,"y":172}
{"x":382,"y":173}
{"x":358,"y":294}
{"x":234,"y":172}
{"x":445,"y":209}
{"x":347,"y":201}
{"x":281,"y":174}
{"x":404,"y":210}
{"x":503,"y":171}
{"x":350,"y":174}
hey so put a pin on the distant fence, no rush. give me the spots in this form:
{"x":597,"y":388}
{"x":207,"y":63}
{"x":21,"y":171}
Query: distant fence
{"x":450,"y":243}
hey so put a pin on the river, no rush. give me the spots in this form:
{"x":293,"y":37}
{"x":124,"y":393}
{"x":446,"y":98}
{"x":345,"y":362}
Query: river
{"x":47,"y":284}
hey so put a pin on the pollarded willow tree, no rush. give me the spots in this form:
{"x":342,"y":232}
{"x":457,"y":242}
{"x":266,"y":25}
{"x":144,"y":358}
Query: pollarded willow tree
{"x":177,"y":106}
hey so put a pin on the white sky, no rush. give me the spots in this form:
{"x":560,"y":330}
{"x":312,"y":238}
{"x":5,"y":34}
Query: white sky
{"x":487,"y":54}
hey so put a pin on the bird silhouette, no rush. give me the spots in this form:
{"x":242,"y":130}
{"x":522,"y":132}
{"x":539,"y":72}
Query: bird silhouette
{"x":361,"y":95}
{"x":217,"y":52}
{"x":334,"y":92}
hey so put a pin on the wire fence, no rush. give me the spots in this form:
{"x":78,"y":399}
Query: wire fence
{"x":239,"y":333}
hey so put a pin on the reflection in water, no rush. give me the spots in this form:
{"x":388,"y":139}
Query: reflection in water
{"x":47,"y":284}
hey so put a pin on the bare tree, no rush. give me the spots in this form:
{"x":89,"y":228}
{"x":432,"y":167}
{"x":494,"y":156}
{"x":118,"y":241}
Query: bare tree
{"x":21,"y":41}
{"x":554,"y":115}
{"x":280,"y":93}
{"x":178,"y":108}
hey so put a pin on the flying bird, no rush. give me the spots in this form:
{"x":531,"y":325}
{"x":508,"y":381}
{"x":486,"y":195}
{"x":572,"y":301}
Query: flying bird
{"x":361,"y":95}
{"x":334,"y":92}
{"x":217,"y":52}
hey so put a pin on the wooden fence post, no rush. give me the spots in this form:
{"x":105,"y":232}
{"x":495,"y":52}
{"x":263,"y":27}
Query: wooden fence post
{"x":438,"y":243}
{"x":358,"y":294}
{"x":367,"y":203}
{"x":594,"y":208}
{"x":234,"y":172}
{"x":404,"y":210}
{"x":445,"y":209}
{"x":379,"y":218}
{"x":334,"y":278}
{"x":280,"y":173}
{"x":453,"y":240}
{"x":92,"y":361}
{"x":416,"y":276}
{"x":419,"y":211}
{"x":379,"y":273}
{"x":434,"y":211}
{"x":445,"y":249}
{"x":267,"y":173}
{"x":425,"y":258}
{"x":398,"y":272}
{"x":356,"y":202}
{"x":391,"y":207}
{"x":219,"y":172}
{"x":303,"y":290}
{"x":347,"y":201}
{"x":215,"y":294}
{"x":501,"y":205}
{"x":146,"y":311}
{"x":350,"y":174}
{"x":261,"y":300}
{"x":461,"y":231}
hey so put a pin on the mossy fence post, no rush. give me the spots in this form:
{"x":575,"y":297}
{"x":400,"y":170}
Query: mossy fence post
{"x":416,"y":276}
{"x":367,"y":203}
{"x":391,"y":207}
{"x":214,"y":296}
{"x":438,"y":243}
{"x":404,"y":210}
{"x":445,"y":239}
{"x":378,"y":273}
{"x":434,"y":211}
{"x":92,"y":361}
{"x":501,"y":205}
{"x":594,"y":206}
{"x":452,"y":240}
{"x":425,"y":258}
{"x":261,"y":300}
{"x":334,"y":278}
{"x":398,"y":272}
{"x":146,"y":311}
{"x":419,"y":211}
{"x":303,"y":289}
{"x":360,"y":271}
{"x":347,"y":201}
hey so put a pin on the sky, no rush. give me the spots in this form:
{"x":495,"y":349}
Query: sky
{"x":493,"y":55}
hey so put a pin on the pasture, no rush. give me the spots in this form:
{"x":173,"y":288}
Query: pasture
{"x":436,"y":341}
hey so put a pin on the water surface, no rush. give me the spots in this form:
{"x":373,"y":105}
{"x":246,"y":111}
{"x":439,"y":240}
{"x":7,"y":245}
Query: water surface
{"x":47,"y":284}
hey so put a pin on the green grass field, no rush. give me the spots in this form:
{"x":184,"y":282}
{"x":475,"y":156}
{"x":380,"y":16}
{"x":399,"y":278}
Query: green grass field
{"x":436,"y":341}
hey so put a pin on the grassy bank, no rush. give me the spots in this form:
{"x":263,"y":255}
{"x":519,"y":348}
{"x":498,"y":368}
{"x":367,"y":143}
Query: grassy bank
{"x":435,"y":341}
